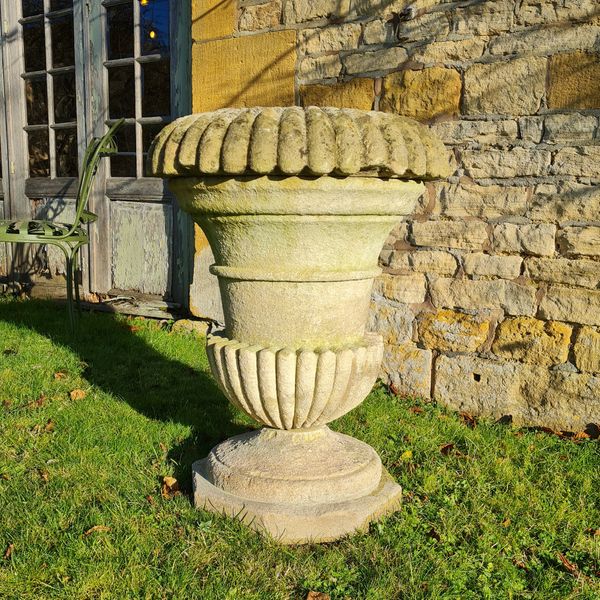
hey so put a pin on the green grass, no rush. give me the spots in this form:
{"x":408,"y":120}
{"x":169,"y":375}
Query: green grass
{"x":490,"y":518}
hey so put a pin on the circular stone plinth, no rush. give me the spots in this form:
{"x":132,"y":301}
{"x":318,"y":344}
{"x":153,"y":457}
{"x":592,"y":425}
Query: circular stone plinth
{"x":298,"y":486}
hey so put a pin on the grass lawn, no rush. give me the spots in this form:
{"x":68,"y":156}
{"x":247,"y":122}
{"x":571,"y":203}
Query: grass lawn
{"x":490,"y":511}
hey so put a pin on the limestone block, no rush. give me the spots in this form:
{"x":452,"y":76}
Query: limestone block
{"x":533,"y":340}
{"x":472,"y":200}
{"x":428,"y":94}
{"x":573,"y":241}
{"x":378,"y":32}
{"x":449,"y":51}
{"x":378,"y":60}
{"x":531,"y":394}
{"x":212,"y":19}
{"x":320,"y":67}
{"x":513,"y":298}
{"x":255,"y":70}
{"x":298,"y":11}
{"x":537,"y":239}
{"x":560,"y":128}
{"x":514,"y":87}
{"x":408,"y":369}
{"x":482,"y":18}
{"x":482,"y":132}
{"x":451,"y":331}
{"x":581,"y":162}
{"x":451,"y":234}
{"x":587,"y":349}
{"x":536,"y":12}
{"x":570,"y":202}
{"x":514,"y":162}
{"x":433,"y":261}
{"x":574,"y":80}
{"x":545,"y":40}
{"x":357,"y":93}
{"x":393,"y":321}
{"x":409,"y":289}
{"x":572,"y":305}
{"x":581,"y":272}
{"x":329,"y":39}
{"x":255,"y":17}
{"x":488,"y":265}
{"x":531,"y":129}
{"x":431,"y":25}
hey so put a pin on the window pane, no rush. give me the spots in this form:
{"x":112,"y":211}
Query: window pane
{"x":34,"y":46}
{"x":120,"y":30}
{"x":154,"y":26}
{"x":60,"y":4}
{"x":66,"y":152}
{"x":32,"y":7}
{"x":65,"y":107}
{"x":63,"y":45}
{"x":121,"y":92}
{"x":39,"y":159}
{"x":124,"y":166}
{"x":156,"y":89}
{"x":36,"y":98}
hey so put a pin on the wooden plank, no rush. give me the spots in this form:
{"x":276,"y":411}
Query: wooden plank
{"x":148,"y":189}
{"x":181,"y":104}
{"x":50,"y":89}
{"x":61,"y":187}
{"x":142,"y":247}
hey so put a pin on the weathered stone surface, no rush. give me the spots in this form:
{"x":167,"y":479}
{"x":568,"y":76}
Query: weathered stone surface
{"x":482,"y":132}
{"x":472,"y":200}
{"x":509,"y":87}
{"x":431,"y":25}
{"x":378,"y":32}
{"x":212,"y":19}
{"x":320,"y":67}
{"x":409,"y":289}
{"x":357,"y":93}
{"x":482,"y":18}
{"x":428,"y":94}
{"x":329,"y":39}
{"x":531,"y":394}
{"x":574,"y":241}
{"x":408,"y":369}
{"x":574,"y":80}
{"x":378,"y":60}
{"x":255,"y":70}
{"x":536,"y":12}
{"x":516,"y":162}
{"x":561,"y":128}
{"x":537,"y":239}
{"x":571,"y":305}
{"x":260,"y":16}
{"x":393,"y":321}
{"x":532,"y":340}
{"x":487,"y":265}
{"x":513,"y":298}
{"x":581,"y":272}
{"x":449,"y":51}
{"x":433,"y":261}
{"x":451,"y":234}
{"x":298,"y":11}
{"x":587,"y":349}
{"x":570,"y":202}
{"x":581,"y":162}
{"x":191,"y":327}
{"x":545,"y":40}
{"x":451,"y":331}
{"x":531,"y":129}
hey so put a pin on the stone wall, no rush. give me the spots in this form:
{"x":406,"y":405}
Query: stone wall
{"x":490,"y":297}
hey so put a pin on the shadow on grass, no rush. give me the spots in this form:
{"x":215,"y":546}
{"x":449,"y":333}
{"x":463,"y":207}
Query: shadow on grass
{"x":121,"y":363}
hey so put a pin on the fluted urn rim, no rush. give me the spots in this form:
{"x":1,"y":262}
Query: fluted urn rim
{"x":309,"y":141}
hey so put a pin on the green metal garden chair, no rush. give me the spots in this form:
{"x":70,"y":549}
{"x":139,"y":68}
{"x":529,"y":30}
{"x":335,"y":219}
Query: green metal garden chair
{"x":68,"y":237}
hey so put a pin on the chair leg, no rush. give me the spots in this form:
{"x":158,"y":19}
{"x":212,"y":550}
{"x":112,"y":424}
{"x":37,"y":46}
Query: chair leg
{"x":75,"y":283}
{"x":70,"y":291}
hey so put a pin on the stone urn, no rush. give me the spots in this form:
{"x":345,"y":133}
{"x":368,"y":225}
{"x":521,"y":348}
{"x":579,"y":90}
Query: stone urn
{"x":296,"y":205}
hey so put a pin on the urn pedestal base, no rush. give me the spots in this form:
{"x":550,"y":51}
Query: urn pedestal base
{"x":298,"y":486}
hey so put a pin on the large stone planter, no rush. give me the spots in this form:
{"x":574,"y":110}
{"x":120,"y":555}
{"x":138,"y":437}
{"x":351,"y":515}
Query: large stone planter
{"x":296,"y":205}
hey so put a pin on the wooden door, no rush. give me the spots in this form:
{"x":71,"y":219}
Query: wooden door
{"x":74,"y":67}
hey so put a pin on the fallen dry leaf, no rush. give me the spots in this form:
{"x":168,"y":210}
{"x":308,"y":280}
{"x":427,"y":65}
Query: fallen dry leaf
{"x":49,"y":427}
{"x":317,"y":596}
{"x":150,"y":500}
{"x":506,"y":522}
{"x":417,"y":410}
{"x":468,"y":420}
{"x":59,"y":375}
{"x":133,"y":328}
{"x":9,"y":551}
{"x":44,"y":475}
{"x":568,"y":564}
{"x":37,"y":403}
{"x":446,"y":449}
{"x":77,"y":394}
{"x":582,"y":435}
{"x":170,"y":487}
{"x":96,"y":528}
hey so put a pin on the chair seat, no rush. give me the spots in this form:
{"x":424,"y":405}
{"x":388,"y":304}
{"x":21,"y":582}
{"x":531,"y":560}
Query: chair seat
{"x":38,"y":231}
